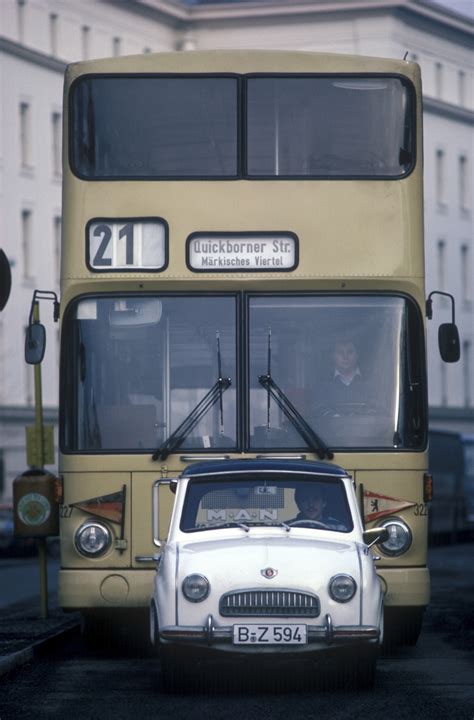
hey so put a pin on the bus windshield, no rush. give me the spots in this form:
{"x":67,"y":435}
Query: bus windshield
{"x":289,"y":126}
{"x":135,"y":368}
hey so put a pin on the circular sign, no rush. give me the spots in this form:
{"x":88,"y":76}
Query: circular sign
{"x":33,"y":509}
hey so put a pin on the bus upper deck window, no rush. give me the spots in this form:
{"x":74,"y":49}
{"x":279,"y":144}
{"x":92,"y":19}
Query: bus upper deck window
{"x":329,"y":126}
{"x":140,"y":127}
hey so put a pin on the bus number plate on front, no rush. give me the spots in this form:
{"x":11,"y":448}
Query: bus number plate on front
{"x":127,"y":245}
{"x":270,"y":635}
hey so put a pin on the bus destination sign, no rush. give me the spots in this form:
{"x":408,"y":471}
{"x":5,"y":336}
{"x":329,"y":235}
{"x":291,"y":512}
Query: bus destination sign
{"x":242,"y":252}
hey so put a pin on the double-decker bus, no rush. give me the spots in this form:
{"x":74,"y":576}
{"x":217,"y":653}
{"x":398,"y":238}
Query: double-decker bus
{"x":242,"y":276}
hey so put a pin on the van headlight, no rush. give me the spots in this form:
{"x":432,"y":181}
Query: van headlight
{"x":399,"y":537}
{"x":92,"y":539}
{"x":195,"y":587}
{"x":342,"y":588}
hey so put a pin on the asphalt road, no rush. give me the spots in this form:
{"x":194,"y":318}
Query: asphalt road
{"x":20,"y":579}
{"x":435,"y":680}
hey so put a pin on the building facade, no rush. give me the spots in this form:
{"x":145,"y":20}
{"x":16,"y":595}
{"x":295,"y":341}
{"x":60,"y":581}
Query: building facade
{"x":39,"y":37}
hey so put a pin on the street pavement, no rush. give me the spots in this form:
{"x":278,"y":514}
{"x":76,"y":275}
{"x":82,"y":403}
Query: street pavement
{"x":24,"y":634}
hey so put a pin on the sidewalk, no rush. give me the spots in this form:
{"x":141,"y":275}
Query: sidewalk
{"x":24,"y":634}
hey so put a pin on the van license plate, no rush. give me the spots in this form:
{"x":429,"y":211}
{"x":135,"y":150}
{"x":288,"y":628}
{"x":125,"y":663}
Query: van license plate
{"x":270,"y":635}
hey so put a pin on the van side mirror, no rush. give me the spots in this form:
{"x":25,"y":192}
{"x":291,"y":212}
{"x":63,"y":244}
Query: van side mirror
{"x":448,"y":342}
{"x":35,"y":343}
{"x":375,"y":535}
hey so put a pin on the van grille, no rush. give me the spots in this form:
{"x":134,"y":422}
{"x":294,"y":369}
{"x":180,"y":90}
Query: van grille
{"x":277,"y":603}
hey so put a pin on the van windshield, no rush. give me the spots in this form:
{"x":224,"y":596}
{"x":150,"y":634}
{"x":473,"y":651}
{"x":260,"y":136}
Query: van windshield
{"x":266,"y":500}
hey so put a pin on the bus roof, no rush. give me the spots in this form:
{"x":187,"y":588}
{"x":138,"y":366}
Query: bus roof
{"x":243,"y":61}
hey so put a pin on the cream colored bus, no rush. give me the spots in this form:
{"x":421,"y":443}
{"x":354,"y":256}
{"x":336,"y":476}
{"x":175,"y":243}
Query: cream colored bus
{"x":242,"y":276}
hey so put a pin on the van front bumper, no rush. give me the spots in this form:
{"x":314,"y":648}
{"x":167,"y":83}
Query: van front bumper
{"x":326,"y":634}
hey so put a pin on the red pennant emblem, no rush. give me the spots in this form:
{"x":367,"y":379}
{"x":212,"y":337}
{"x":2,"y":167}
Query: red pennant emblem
{"x":377,"y":506}
{"x":110,"y":507}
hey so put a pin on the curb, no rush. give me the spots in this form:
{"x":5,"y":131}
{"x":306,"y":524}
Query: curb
{"x":36,"y":650}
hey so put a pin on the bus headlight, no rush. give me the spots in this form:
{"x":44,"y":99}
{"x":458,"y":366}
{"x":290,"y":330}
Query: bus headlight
{"x":342,"y":588}
{"x":195,"y":587}
{"x":399,"y":537}
{"x":92,"y":539}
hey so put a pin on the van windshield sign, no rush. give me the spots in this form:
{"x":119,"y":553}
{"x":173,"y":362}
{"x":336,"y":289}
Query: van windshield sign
{"x":242,"y":252}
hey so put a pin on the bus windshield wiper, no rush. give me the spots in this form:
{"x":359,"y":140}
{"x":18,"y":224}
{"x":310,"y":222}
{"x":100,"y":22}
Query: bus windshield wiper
{"x":291,"y":413}
{"x":229,"y":524}
{"x":197,"y":413}
{"x":267,"y":523}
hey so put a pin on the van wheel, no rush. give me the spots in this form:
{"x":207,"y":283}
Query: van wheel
{"x":154,"y":634}
{"x":402,"y":626}
{"x":172,"y":673}
{"x":366,"y":668}
{"x":117,"y":630}
{"x":359,"y":669}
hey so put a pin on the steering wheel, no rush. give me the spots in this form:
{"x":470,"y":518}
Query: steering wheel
{"x":312,"y":523}
{"x":350,"y":408}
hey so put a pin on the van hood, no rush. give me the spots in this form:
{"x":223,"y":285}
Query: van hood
{"x":297,"y":563}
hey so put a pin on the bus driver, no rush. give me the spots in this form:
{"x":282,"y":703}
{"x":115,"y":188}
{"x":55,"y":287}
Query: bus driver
{"x":346,"y":363}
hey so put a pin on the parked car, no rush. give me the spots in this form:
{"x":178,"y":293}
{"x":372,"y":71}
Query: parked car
{"x":13,"y":545}
{"x":7,"y":538}
{"x":451,"y":462}
{"x":468,"y":448}
{"x":266,"y":559}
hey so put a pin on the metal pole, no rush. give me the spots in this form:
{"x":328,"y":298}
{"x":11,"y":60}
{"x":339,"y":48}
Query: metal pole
{"x":43,"y":568}
{"x":39,"y":427}
{"x":38,"y":402}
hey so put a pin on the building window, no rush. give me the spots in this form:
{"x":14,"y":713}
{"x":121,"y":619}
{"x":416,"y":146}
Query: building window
{"x":116,"y":46}
{"x":466,"y":274}
{"x":443,"y":384}
{"x":463,"y":183}
{"x":85,"y":35}
{"x":56,"y":142}
{"x":439,"y":80}
{"x":53,"y":33}
{"x":20,"y":9}
{"x":2,"y":472}
{"x":462,"y":87}
{"x":26,"y":243}
{"x":58,"y":345}
{"x":25,"y":134}
{"x":440,"y":173}
{"x":467,"y":372}
{"x":57,"y":247}
{"x":441,"y":261}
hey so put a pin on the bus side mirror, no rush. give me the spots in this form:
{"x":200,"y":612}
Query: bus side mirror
{"x":448,"y":341}
{"x":448,"y":335}
{"x":35,"y":343}
{"x":5,"y":280}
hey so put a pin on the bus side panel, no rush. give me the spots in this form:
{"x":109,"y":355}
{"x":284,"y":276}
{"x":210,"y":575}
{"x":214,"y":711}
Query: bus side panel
{"x":399,"y":494}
